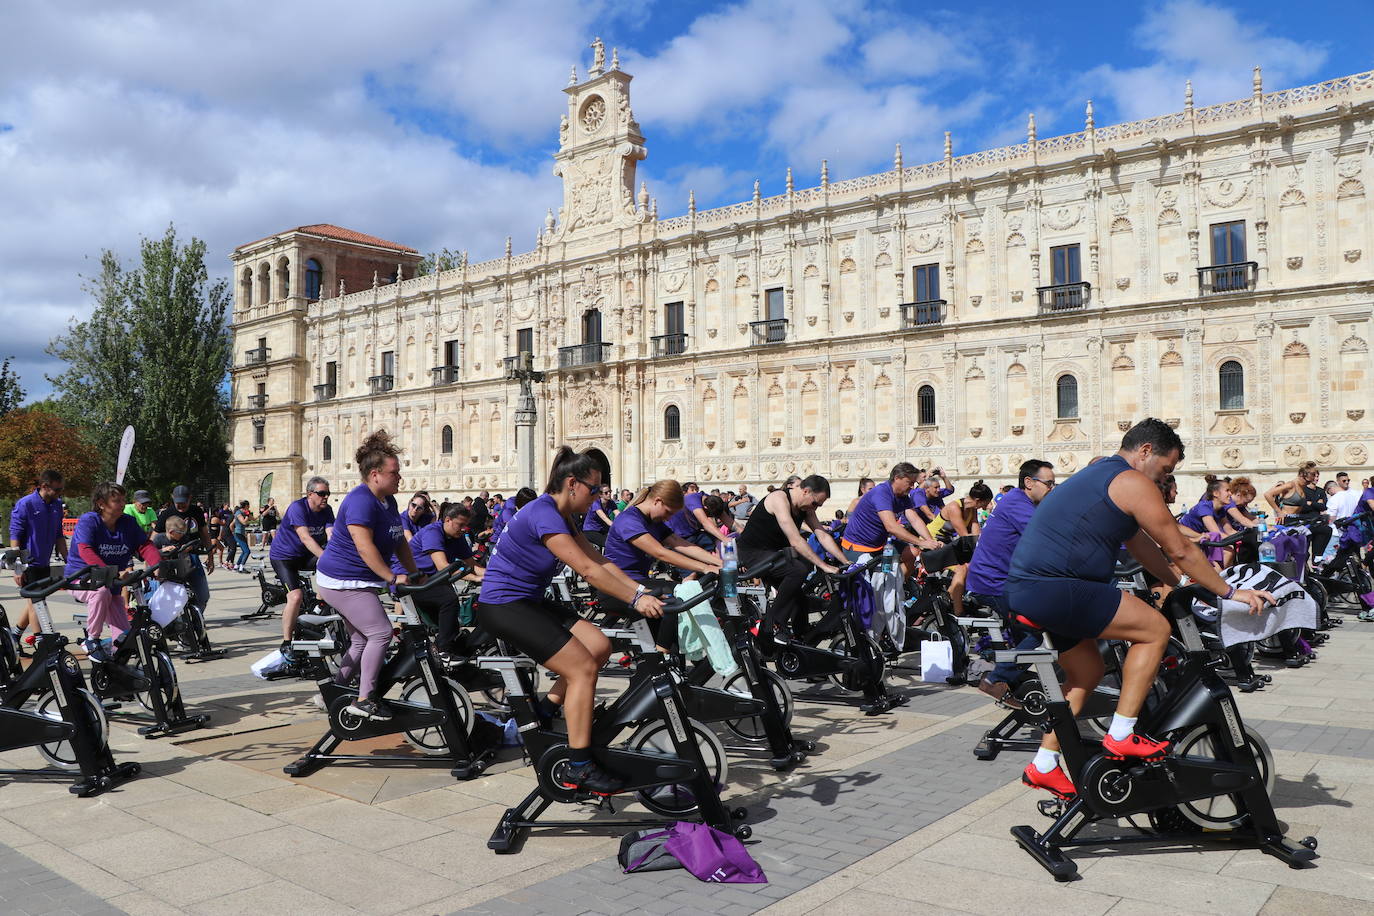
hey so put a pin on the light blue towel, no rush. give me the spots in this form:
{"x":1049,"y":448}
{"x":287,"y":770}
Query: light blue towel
{"x":699,"y":634}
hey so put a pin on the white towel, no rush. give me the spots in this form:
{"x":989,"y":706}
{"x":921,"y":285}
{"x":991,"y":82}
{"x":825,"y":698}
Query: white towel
{"x":1294,"y":606}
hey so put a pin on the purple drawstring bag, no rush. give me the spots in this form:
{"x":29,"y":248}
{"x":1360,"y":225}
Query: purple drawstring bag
{"x":712,"y":855}
{"x":858,"y":596}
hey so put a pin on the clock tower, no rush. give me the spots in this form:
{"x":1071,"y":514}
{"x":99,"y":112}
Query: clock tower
{"x":599,"y":144}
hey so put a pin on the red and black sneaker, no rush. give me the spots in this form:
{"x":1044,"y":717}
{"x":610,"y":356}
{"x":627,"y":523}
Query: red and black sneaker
{"x":590,"y":778}
{"x":1056,"y":781}
{"x":1134,"y":745}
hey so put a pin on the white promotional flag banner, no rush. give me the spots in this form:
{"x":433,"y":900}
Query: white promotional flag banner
{"x":126,"y":448}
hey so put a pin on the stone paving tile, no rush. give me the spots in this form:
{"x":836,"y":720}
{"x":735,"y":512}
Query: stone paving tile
{"x":28,"y":888}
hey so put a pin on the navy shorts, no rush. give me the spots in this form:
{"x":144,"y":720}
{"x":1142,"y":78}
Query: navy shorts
{"x":1068,"y":610}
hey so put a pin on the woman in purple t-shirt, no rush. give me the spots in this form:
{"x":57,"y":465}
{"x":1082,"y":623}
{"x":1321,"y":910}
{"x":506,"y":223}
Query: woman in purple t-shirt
{"x":598,"y":518}
{"x":107,"y":537}
{"x":512,"y":605}
{"x":356,"y":565}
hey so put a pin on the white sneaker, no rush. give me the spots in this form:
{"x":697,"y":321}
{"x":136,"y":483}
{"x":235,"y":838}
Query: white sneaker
{"x":318,"y":702}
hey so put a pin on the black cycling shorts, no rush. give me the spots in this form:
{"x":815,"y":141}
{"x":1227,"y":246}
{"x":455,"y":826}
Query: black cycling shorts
{"x":36,"y":574}
{"x":289,"y":571}
{"x":536,"y":628}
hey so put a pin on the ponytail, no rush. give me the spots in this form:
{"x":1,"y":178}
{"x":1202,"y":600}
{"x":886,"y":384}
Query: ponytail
{"x":568,"y":463}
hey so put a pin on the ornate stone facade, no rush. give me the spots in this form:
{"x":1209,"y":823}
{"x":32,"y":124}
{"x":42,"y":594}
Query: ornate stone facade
{"x":1046,"y":293}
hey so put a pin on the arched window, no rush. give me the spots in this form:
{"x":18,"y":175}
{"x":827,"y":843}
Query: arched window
{"x":314,"y":276}
{"x":1232,"y":377}
{"x":246,"y":287}
{"x":446,"y":440}
{"x":327,"y":449}
{"x":1066,"y":397}
{"x":672,"y":422}
{"x":283,"y":278}
{"x":264,"y":283}
{"x":925,"y":406}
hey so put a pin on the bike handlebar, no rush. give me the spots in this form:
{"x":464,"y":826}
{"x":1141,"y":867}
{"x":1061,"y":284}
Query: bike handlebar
{"x":454,"y":570}
{"x":861,"y":565}
{"x":88,"y":578}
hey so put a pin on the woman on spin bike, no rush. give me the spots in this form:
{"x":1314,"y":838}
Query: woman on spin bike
{"x":106,"y":536}
{"x":434,"y":547}
{"x":1302,"y":501}
{"x":640,"y":535}
{"x":355,"y":566}
{"x":512,"y":605}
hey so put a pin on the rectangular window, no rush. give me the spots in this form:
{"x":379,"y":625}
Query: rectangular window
{"x":262,"y":343}
{"x":524,"y":340}
{"x":262,"y":390}
{"x":389,"y":363}
{"x":451,"y":352}
{"x":331,"y":375}
{"x":673,"y":319}
{"x":926,"y":282}
{"x":591,"y":326}
{"x":259,"y":434}
{"x":1064,"y":265}
{"x":775,"y":304}
{"x":1228,"y":242}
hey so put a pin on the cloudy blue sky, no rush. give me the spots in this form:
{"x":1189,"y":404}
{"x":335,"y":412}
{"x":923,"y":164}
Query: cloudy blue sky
{"x":432,"y":123}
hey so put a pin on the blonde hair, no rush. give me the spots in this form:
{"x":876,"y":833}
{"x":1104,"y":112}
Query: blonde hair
{"x":176,"y":525}
{"x":670,"y":491}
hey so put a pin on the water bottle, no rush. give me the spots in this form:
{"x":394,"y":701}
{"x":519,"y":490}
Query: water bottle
{"x":1267,"y":553}
{"x":889,"y":556}
{"x":729,"y":569}
{"x":1263,"y":525}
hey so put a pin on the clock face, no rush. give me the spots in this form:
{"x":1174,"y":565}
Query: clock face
{"x":593,"y":114}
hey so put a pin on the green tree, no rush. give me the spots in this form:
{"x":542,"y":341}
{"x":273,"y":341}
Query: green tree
{"x":31,"y":441}
{"x":153,"y":355}
{"x":12,"y":393}
{"x":439,"y":261}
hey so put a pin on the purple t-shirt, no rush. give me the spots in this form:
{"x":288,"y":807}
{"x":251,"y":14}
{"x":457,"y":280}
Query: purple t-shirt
{"x":360,"y":507}
{"x":1193,"y":517}
{"x":865,"y":528}
{"x":987,"y":570}
{"x":117,"y":548}
{"x":592,"y":521}
{"x":502,"y":520}
{"x":36,"y":525}
{"x":682,"y":522}
{"x":286,"y":544}
{"x":521,"y":567}
{"x":627,"y":526}
{"x":429,"y":539}
{"x":414,"y":525}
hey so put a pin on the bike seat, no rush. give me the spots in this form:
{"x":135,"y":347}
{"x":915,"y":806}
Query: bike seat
{"x":1027,"y":622}
{"x":1027,"y":657}
{"x":1126,"y":570}
{"x":318,"y":620}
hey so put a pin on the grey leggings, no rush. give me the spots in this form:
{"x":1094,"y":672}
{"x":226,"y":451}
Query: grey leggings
{"x":369,"y":631}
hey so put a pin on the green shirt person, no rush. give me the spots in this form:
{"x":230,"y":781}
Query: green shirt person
{"x":142,"y":510}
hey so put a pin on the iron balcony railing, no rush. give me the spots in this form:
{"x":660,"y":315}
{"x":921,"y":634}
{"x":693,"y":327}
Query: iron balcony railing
{"x":257,"y":401}
{"x":257,"y":356}
{"x":770,"y":331}
{"x":444,"y":375}
{"x":1227,"y":278}
{"x":670,"y":344}
{"x":1063,"y":297}
{"x":587,"y":354}
{"x":326,"y":392}
{"x":381,"y":383}
{"x":930,"y":313}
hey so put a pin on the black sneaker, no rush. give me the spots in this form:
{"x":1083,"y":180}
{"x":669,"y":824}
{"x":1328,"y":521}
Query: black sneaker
{"x":590,"y":777}
{"x":782,"y":634}
{"x":371,"y":708}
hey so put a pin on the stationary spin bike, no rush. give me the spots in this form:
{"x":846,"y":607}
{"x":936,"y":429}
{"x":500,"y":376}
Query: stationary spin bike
{"x":68,"y":727}
{"x":434,"y":713}
{"x":672,"y":764}
{"x":1212,"y":786}
{"x":851,"y":658}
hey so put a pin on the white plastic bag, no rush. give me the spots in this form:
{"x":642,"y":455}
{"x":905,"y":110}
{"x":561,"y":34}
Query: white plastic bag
{"x":937,"y":661}
{"x":269,"y":662}
{"x":166,"y":603}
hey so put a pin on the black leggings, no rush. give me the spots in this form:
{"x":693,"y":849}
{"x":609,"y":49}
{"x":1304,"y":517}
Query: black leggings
{"x":442,"y":605}
{"x":787,"y":605}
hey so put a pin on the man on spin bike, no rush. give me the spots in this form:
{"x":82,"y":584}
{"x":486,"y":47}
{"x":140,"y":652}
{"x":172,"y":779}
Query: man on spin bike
{"x":774,"y":525}
{"x":1062,"y":579}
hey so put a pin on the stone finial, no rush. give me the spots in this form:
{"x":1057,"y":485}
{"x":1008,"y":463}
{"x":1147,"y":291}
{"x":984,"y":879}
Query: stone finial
{"x":376,"y":280}
{"x":598,"y":56}
{"x":691,"y":201}
{"x":825,"y":172}
{"x":549,"y":221}
{"x":507,"y":246}
{"x":756,"y":190}
{"x":789,"y":179}
{"x":1088,"y":116}
{"x":400,"y":273}
{"x":653,"y":209}
{"x":949,"y":146}
{"x":897,"y":158}
{"x":572,"y":76}
{"x":341,"y":287}
{"x":615,"y":58}
{"x":1188,"y":96}
{"x":1257,"y":82}
{"x":1030,"y":128}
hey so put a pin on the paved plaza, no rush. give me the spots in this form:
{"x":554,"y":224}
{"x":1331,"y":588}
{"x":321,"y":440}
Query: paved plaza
{"x":893,"y":815}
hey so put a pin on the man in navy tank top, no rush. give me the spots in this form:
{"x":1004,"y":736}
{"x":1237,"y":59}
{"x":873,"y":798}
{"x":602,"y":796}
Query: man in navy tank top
{"x":1062,"y":579}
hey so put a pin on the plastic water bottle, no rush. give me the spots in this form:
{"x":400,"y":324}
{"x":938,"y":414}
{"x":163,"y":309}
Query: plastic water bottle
{"x":889,"y":556}
{"x":729,"y":569}
{"x":1263,"y":525}
{"x":1267,"y":553}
